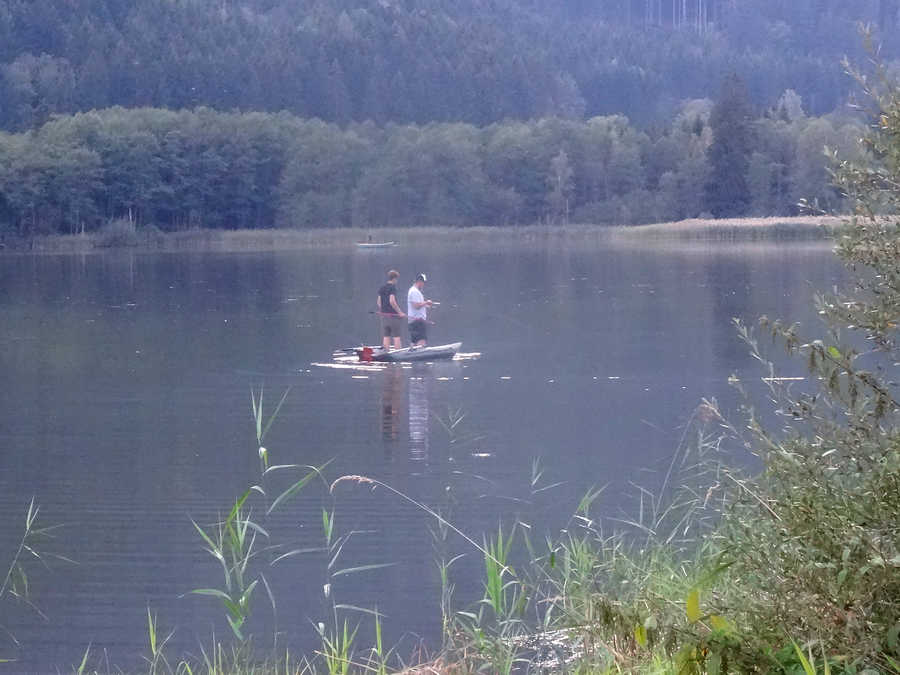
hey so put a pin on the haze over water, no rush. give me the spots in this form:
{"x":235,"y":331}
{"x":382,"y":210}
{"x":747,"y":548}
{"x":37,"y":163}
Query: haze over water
{"x":125,"y":412}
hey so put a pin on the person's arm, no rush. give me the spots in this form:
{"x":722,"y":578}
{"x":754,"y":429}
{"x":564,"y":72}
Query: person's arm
{"x":416,"y":304}
{"x":378,"y":305}
{"x":396,"y":306}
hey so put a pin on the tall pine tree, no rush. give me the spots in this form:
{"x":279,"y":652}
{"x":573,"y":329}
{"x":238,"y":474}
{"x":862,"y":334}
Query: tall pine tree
{"x":727,"y":192}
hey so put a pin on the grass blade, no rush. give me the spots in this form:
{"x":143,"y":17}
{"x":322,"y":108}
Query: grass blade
{"x":296,"y":487}
{"x":274,"y":414}
{"x":362,"y":568}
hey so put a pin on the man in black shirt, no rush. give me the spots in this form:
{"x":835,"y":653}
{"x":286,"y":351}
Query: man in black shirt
{"x":390,"y":313}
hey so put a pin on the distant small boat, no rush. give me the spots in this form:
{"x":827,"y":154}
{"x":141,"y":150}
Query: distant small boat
{"x":375,"y":244}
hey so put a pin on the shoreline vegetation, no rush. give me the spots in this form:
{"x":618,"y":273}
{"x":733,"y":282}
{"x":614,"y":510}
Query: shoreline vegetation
{"x":133,"y":174}
{"x":125,"y":236}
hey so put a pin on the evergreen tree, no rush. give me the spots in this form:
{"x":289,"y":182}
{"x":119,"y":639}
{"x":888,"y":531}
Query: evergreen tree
{"x":727,"y":192}
{"x":434,"y":60}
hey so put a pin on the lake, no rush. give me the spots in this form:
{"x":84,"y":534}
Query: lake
{"x":125,"y":413}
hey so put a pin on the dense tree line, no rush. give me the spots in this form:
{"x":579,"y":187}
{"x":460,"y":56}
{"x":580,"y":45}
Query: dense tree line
{"x":423,"y":60}
{"x":175,"y":170}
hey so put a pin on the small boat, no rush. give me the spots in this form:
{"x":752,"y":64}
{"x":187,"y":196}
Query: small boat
{"x":375,"y":244}
{"x":368,"y":354}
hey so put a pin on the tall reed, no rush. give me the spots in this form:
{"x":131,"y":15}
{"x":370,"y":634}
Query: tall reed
{"x":29,"y":549}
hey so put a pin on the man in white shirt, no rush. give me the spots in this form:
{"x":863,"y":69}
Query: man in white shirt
{"x":417,"y":312}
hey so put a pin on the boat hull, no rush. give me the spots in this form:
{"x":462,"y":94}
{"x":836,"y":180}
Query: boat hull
{"x":377,"y":244}
{"x":434,"y":353}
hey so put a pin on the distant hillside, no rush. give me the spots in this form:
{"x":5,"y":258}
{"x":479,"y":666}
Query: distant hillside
{"x":403,"y":61}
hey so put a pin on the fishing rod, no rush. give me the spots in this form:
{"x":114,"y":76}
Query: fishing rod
{"x":434,"y":303}
{"x":353,"y":350}
{"x":402,"y":316}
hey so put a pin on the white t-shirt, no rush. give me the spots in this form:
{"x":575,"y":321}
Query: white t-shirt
{"x":414,"y":295}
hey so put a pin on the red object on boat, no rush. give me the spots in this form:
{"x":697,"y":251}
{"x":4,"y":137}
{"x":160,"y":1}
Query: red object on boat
{"x":365,"y":354}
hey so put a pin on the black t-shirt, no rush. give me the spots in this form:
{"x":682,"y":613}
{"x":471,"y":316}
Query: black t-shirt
{"x":385,"y":293}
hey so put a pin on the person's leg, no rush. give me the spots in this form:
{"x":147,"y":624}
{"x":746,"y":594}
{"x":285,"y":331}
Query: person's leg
{"x":417,"y":333}
{"x":414,"y":333}
{"x":397,"y":331}
{"x":386,"y":332}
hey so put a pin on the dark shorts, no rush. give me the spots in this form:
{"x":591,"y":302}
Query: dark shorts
{"x":392,"y":325}
{"x":418,"y":330}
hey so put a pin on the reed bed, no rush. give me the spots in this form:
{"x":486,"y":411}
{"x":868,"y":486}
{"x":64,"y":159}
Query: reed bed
{"x":798,"y":227}
{"x":118,"y":236}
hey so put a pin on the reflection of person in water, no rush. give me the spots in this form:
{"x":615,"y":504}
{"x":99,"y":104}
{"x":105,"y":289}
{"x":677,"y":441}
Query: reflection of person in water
{"x":391,"y":400}
{"x":418,"y":417}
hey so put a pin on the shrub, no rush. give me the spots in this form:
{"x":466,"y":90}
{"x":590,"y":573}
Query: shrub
{"x":118,"y":233}
{"x":815,"y":540}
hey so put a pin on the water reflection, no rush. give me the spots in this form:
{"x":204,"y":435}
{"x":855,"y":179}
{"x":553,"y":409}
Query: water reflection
{"x":397,"y":381}
{"x":419,"y":415}
{"x":391,"y":403}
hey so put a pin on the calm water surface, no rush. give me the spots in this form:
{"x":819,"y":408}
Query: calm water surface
{"x":125,"y":412}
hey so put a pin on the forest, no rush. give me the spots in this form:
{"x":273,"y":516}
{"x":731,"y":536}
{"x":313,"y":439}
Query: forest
{"x":202,"y":168}
{"x":330,"y":113}
{"x":422,"y":61}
